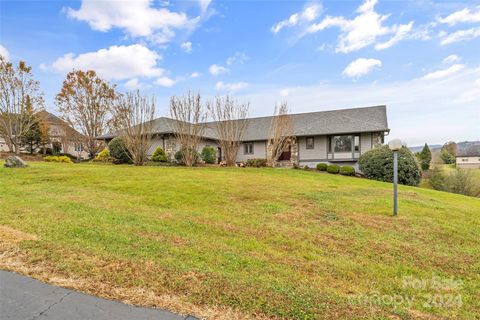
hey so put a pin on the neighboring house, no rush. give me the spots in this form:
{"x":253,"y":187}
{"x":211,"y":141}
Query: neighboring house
{"x":63,"y":138}
{"x":337,"y":136}
{"x":468,"y":161}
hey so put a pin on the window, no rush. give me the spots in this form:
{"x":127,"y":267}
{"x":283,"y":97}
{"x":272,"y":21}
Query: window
{"x":465,"y":159}
{"x":341,"y":144}
{"x":310,"y":143}
{"x":248,"y":147}
{"x":78,"y":147}
{"x":344,"y":143}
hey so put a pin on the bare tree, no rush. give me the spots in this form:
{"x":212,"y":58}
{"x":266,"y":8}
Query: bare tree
{"x":85,"y":101}
{"x":20,"y":97}
{"x":280,"y":133}
{"x":231,"y":123}
{"x":133,"y":116}
{"x":189,"y":124}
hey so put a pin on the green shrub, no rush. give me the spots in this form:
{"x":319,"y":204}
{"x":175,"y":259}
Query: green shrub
{"x":256,"y":163}
{"x":118,"y":151}
{"x":347,"y":170}
{"x":459,"y":181}
{"x":333,"y":168}
{"x":62,"y":159}
{"x":322,"y":167}
{"x":447,"y":157}
{"x":209,"y":155}
{"x":377,"y":164}
{"x":73,"y":158}
{"x":103,"y":156}
{"x":179,"y":155}
{"x":159,"y":155}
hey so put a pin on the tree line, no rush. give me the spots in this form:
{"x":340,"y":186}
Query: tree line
{"x":94,"y":107}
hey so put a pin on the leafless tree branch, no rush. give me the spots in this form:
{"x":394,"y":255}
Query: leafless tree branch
{"x":231,"y":123}
{"x":189,"y":116}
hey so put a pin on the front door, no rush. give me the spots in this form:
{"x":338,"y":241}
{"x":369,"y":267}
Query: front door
{"x":286,"y":154}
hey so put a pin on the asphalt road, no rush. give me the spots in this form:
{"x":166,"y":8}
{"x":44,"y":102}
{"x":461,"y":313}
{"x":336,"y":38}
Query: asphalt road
{"x":24,"y":298}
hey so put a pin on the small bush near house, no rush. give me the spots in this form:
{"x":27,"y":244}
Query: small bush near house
{"x":306,"y":167}
{"x":333,"y":168}
{"x":179,"y":155}
{"x":159,"y":155}
{"x":62,"y":159}
{"x":103,"y":156}
{"x":322,"y":166}
{"x":377,"y":164}
{"x":347,"y":170}
{"x":209,"y":155}
{"x":256,"y":163}
{"x":118,"y":151}
{"x":73,"y":158}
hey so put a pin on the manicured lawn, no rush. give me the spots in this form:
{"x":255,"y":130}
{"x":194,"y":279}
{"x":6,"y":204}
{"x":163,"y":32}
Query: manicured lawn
{"x":235,"y":243}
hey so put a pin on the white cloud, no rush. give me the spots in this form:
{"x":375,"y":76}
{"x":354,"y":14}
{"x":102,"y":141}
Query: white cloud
{"x":308,"y":14}
{"x":116,"y":62}
{"x":401,"y":32}
{"x":451,"y":59}
{"x":136,"y":18}
{"x":285,"y":92}
{"x":204,"y":4}
{"x":195,"y":75}
{"x":462,"y":16}
{"x":165,"y":82}
{"x":186,"y":46}
{"x":361,"y":67}
{"x":231,"y":87}
{"x":238,"y":57}
{"x":132,"y":84}
{"x":460,"y":35}
{"x":4,"y":52}
{"x":216,"y":69}
{"x":363,"y":30}
{"x":439,"y":74}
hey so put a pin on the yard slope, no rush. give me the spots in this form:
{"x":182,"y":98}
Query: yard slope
{"x":243,"y":243}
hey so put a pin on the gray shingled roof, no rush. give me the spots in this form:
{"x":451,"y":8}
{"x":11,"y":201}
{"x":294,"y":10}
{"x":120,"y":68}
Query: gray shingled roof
{"x":354,"y":120}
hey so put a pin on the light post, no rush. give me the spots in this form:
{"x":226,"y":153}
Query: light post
{"x":395,"y":145}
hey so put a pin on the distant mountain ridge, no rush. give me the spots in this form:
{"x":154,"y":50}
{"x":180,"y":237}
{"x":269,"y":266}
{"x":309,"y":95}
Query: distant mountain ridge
{"x":462,"y":146}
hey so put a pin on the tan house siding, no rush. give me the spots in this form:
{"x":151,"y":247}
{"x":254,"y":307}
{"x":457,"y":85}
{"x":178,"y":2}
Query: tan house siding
{"x":470,"y":162}
{"x":319,"y":151}
{"x":365,"y":142}
{"x":259,"y":151}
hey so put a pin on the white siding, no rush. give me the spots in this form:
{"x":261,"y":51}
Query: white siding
{"x":259,"y":151}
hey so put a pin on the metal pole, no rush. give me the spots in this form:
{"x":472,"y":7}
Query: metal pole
{"x":395,"y":181}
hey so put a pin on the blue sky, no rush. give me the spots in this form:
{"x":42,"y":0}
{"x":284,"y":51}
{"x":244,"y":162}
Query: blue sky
{"x":420,"y":58}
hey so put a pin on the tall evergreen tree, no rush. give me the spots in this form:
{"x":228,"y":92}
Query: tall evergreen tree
{"x":425,"y":157}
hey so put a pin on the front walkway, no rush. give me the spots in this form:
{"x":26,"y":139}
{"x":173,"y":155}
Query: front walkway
{"x":23,"y":298}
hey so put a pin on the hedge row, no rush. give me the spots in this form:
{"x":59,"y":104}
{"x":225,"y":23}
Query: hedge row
{"x":63,"y":159}
{"x":335,"y":169}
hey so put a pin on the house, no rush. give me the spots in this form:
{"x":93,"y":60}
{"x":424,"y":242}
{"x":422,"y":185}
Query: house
{"x":336,"y":136}
{"x":468,"y":160}
{"x":63,"y":138}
